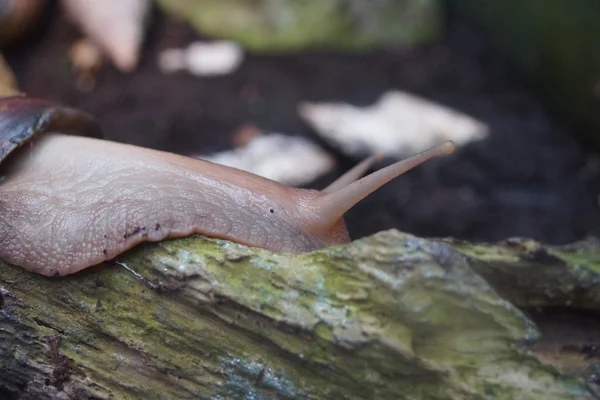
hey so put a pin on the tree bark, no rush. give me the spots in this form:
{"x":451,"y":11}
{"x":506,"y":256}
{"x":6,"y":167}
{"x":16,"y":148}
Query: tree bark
{"x":531,"y":274}
{"x":391,"y":316}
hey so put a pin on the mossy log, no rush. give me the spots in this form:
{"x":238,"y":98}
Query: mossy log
{"x":530,"y":274}
{"x":391,"y":316}
{"x":284,"y":26}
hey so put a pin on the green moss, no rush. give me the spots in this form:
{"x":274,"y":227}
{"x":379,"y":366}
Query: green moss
{"x":531,"y":274}
{"x":227,"y":321}
{"x":579,"y":257}
{"x":284,"y":25}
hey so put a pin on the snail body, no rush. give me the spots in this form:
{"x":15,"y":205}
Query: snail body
{"x":68,"y":202}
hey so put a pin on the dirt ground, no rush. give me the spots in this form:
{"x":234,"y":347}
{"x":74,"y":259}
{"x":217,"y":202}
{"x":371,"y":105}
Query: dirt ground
{"x":530,"y":178}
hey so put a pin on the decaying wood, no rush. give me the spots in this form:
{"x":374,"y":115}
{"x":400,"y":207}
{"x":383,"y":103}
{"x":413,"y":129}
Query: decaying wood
{"x":391,"y":316}
{"x":530,"y":274}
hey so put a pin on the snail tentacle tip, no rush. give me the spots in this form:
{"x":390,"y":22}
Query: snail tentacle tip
{"x":448,"y":147}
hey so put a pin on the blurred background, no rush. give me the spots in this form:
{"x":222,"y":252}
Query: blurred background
{"x":300,"y":91}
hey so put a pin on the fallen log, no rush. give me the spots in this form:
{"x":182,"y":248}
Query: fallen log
{"x":391,"y":316}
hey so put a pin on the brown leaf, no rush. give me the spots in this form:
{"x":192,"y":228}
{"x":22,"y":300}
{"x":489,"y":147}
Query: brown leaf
{"x":8,"y":83}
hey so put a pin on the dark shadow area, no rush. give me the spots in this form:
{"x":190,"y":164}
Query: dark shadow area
{"x":7,"y":395}
{"x":570,"y":340}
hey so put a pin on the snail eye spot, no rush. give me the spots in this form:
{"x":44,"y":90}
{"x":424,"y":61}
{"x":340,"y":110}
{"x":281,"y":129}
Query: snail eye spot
{"x":271,"y":210}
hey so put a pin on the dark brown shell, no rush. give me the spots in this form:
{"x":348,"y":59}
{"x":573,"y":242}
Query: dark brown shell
{"x":23,"y":118}
{"x":18,"y":17}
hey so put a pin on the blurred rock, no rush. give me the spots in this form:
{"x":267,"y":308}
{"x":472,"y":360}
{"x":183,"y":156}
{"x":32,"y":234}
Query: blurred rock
{"x":286,"y":25}
{"x":554,"y":43}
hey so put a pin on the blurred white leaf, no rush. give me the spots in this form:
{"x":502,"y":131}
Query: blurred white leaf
{"x":117,"y":26}
{"x":203,"y":58}
{"x":398,"y":124}
{"x":290,"y":160}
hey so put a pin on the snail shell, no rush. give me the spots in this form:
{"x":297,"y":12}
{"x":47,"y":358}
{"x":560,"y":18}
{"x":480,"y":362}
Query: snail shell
{"x":23,"y":118}
{"x":17,"y":17}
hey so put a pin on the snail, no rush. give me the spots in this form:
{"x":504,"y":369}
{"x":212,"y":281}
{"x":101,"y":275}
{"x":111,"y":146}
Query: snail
{"x":70,"y":200}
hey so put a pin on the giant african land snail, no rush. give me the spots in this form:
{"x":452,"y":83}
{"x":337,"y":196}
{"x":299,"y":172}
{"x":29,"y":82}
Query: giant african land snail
{"x":68,"y":202}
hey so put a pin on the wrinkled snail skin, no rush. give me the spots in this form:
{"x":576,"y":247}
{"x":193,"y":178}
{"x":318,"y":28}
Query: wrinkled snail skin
{"x":73,"y":202}
{"x":70,"y":202}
